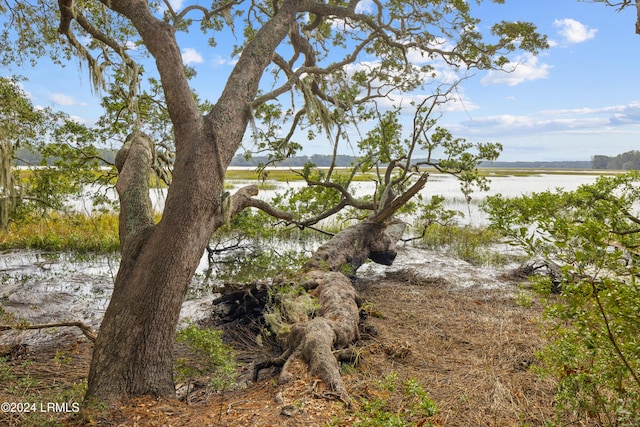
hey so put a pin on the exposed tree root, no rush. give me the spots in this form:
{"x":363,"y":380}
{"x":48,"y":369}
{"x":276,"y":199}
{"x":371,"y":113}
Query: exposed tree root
{"x":335,"y":325}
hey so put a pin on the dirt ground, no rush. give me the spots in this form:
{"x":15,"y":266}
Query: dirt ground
{"x":470,"y":349}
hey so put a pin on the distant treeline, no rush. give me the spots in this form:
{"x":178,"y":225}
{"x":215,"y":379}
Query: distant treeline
{"x":539,"y":165}
{"x":625,"y":161}
{"x":320,"y":160}
{"x":26,"y":157}
{"x":343,"y":160}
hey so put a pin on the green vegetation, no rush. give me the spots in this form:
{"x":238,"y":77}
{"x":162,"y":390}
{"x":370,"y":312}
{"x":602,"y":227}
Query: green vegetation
{"x":53,"y":228}
{"x":283,"y":175}
{"x":391,"y":404}
{"x":439,"y":231}
{"x":471,"y":244}
{"x":210,"y":356}
{"x":67,"y":157}
{"x":58,"y":232}
{"x":590,"y":237}
{"x":625,"y":161}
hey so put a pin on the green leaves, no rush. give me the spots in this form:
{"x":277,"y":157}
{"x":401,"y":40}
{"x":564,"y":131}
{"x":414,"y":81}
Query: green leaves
{"x":68,"y":159}
{"x":519,"y":35}
{"x":211,"y":357}
{"x":384,"y":143}
{"x":593,"y":234}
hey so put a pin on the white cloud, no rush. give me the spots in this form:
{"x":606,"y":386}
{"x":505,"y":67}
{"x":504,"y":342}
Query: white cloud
{"x":526,"y":68}
{"x":633,"y":106}
{"x":573,"y":31}
{"x":511,"y":124}
{"x":176,"y":4}
{"x":65,"y":100}
{"x":614,"y":115}
{"x":82,"y":120}
{"x":580,"y":121}
{"x":191,"y":56}
{"x":218,"y":61}
{"x":365,"y":6}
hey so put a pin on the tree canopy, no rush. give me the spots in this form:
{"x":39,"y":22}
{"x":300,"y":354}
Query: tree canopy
{"x":625,"y":161}
{"x":302,"y":68}
{"x":336,"y":58}
{"x":58,"y":140}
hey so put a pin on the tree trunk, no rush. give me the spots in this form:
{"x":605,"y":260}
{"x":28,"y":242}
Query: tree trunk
{"x":8,"y":191}
{"x":133,"y":351}
{"x":335,"y":327}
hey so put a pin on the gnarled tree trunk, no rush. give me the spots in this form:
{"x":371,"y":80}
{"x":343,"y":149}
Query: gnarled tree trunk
{"x":335,"y":326}
{"x":133,"y":351}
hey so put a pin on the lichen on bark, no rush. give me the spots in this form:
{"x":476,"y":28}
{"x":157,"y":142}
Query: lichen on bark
{"x":134,"y":163}
{"x":328,"y":275}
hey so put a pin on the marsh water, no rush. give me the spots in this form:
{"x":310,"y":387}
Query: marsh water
{"x":44,"y":287}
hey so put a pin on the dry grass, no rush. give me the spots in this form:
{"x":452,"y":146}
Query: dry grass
{"x":471,"y":349}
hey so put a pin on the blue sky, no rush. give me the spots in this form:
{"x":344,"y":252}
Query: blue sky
{"x":575,"y":100}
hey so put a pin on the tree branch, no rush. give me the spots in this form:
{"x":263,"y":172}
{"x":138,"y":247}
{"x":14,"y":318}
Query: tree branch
{"x":134,"y":161}
{"x":86,"y":329}
{"x":391,"y":208}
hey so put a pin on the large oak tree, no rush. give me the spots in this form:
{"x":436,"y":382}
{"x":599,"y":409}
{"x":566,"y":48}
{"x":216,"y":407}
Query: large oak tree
{"x":329,"y":62}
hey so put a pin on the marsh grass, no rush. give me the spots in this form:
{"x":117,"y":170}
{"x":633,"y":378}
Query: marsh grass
{"x":57,"y":232}
{"x":286,"y":175}
{"x":471,"y":244}
{"x":99,"y":232}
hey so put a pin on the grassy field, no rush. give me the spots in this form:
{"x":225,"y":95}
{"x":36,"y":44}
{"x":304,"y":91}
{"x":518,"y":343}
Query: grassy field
{"x":293,"y":174}
{"x":76,"y":232}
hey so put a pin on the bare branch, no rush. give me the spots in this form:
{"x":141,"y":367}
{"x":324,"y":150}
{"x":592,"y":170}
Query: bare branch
{"x":632,"y":218}
{"x":307,"y":223}
{"x":272,"y":211}
{"x":86,"y":329}
{"x":206,"y":13}
{"x":346,"y":195}
{"x":400,"y":201}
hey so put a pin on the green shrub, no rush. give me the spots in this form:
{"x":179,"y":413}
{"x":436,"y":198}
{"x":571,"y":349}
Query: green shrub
{"x":211,"y":356}
{"x":593,"y":326}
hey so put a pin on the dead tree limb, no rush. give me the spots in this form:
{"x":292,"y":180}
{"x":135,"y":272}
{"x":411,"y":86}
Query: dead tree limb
{"x":86,"y":329}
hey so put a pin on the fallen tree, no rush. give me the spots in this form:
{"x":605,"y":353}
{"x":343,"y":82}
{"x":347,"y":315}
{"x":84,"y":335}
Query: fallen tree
{"x":329,"y":272}
{"x":335,"y":326}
